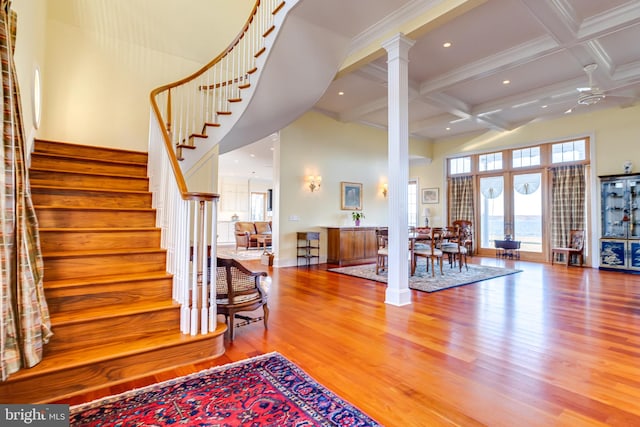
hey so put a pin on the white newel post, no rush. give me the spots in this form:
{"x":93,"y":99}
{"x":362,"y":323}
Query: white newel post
{"x":397,"y":48}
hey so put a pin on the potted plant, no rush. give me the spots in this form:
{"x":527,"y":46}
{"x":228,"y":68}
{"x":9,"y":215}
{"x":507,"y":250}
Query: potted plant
{"x":357,"y":216}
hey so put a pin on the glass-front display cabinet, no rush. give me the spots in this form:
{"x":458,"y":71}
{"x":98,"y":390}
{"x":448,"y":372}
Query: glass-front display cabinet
{"x":620,"y":239}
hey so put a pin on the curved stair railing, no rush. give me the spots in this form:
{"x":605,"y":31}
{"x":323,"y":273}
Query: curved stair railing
{"x":181,"y":112}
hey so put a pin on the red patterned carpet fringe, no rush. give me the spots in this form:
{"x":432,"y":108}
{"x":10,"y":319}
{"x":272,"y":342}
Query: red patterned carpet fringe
{"x":267,"y":390}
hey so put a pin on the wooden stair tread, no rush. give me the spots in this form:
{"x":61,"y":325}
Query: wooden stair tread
{"x":104,"y":280}
{"x":96,"y":208}
{"x":74,"y":147}
{"x":110,"y":311}
{"x":83,"y":189}
{"x":90,"y":173}
{"x":98,"y":229}
{"x":95,"y":354}
{"x":89,"y":159}
{"x":65,"y":254}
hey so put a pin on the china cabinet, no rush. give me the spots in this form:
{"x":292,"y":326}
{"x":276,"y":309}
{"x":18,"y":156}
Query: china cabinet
{"x":620,"y":238}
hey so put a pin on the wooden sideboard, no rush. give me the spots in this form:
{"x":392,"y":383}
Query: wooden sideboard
{"x":351,"y":245}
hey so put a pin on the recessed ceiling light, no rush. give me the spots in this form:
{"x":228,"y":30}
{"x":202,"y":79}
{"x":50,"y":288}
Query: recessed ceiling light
{"x":506,"y":82}
{"x":448,"y":128}
{"x":544,"y":106}
{"x":446,"y":44}
{"x":341,"y":93}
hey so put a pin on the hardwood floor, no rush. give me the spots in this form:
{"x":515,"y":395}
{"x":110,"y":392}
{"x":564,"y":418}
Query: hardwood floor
{"x":551,"y":346}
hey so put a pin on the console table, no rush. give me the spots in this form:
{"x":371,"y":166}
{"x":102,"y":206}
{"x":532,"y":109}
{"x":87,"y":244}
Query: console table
{"x":507,"y":248}
{"x":351,"y":245}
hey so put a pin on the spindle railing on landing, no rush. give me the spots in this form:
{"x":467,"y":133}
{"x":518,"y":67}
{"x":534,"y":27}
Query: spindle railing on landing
{"x":181,"y":112}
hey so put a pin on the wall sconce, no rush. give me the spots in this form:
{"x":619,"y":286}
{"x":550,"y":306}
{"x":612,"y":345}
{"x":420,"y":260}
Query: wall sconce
{"x":314,"y":182}
{"x":385,"y":189}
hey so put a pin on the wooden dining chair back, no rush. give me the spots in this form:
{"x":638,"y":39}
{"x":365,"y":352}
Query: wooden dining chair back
{"x":575,"y":248}
{"x":456,"y":246}
{"x":468,"y":226}
{"x":239,"y":289}
{"x":382,"y":237}
{"x":430,"y":251}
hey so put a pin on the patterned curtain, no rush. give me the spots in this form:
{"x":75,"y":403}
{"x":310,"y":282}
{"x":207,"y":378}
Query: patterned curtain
{"x":567,"y":202}
{"x":461,"y":198}
{"x":25,"y":324}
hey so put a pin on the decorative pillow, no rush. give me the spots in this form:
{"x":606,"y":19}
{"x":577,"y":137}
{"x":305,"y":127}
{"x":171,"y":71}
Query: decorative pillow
{"x":262,"y":227}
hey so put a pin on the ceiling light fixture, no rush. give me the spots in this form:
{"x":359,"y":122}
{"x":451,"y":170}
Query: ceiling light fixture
{"x":446,"y":44}
{"x":506,"y":82}
{"x":341,"y":93}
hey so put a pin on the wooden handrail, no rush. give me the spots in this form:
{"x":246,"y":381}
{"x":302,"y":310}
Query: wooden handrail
{"x":188,"y":219}
{"x":180,"y":181}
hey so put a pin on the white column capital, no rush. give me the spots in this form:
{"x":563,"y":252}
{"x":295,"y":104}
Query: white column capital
{"x":398,"y":46}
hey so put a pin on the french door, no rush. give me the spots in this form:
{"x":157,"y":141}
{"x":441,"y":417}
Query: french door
{"x":512,"y":204}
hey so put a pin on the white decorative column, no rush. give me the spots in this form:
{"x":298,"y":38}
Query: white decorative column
{"x":397,"y":48}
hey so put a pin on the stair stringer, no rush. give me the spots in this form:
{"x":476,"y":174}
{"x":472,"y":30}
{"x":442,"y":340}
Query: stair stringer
{"x":299,"y":66}
{"x":214,"y":134}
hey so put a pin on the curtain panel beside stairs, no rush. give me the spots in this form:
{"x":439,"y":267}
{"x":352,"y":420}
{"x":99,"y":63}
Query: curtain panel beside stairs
{"x":25,"y":325}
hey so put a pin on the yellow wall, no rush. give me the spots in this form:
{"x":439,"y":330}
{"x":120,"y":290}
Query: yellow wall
{"x":29,"y":54}
{"x":96,"y":86}
{"x":318,"y":145}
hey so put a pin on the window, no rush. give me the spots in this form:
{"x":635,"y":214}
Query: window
{"x":258,"y":206}
{"x":490,"y":162}
{"x":459,"y":165}
{"x":413,"y":203}
{"x":526,"y":157}
{"x":571,"y":151}
{"x":512,"y":192}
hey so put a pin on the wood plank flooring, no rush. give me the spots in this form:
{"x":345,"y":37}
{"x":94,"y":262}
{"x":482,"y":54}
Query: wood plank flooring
{"x":552,"y":346}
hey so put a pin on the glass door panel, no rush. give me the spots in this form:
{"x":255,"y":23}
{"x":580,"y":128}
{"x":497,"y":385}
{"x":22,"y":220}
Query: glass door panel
{"x":258,"y":206}
{"x":527,"y":211}
{"x":491,"y":210}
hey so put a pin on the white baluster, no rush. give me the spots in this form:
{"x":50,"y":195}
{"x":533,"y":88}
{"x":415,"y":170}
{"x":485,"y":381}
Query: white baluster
{"x":214,"y":260}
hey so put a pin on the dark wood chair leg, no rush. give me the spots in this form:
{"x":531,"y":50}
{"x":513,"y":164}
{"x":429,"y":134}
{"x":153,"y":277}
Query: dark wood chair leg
{"x":266,"y":315}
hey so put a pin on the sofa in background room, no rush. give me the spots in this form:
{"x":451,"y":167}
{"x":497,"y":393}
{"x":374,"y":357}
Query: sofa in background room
{"x":247,"y":233}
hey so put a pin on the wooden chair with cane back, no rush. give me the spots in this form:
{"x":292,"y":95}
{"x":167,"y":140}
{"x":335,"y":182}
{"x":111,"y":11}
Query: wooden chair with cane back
{"x":239,"y":289}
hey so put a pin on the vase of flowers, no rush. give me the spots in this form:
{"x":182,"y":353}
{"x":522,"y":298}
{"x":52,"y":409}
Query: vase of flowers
{"x":357,"y":216}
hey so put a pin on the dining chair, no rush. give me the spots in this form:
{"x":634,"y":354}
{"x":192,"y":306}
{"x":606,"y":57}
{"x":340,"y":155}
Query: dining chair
{"x":430,"y":251}
{"x":469,"y":233}
{"x":382,"y":238}
{"x":456,"y":246}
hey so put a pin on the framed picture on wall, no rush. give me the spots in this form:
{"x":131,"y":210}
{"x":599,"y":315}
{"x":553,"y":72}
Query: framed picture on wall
{"x":351,"y":196}
{"x":430,"y":195}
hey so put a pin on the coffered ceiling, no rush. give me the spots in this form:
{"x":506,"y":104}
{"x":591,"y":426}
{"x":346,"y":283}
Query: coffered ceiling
{"x":510,"y":62}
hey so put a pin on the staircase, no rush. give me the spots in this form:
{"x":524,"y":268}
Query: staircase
{"x":105,"y":280}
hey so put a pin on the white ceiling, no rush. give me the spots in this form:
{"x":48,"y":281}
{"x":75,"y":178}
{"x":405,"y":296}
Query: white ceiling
{"x":540,"y":46}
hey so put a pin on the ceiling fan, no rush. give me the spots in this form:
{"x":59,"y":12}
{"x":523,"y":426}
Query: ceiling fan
{"x":589,"y":95}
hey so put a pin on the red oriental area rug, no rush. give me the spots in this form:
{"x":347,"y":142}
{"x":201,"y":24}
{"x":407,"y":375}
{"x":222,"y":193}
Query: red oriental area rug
{"x":267,"y":390}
